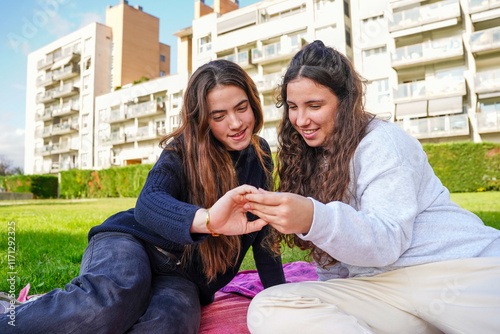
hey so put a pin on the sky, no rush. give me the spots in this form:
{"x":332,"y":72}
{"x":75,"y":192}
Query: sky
{"x":28,"y":25}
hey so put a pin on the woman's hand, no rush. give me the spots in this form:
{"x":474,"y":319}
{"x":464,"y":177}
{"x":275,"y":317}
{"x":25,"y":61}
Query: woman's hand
{"x":288,"y":213}
{"x":228,"y":215}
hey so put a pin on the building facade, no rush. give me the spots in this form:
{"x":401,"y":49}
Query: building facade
{"x":432,"y":67}
{"x":65,"y":77}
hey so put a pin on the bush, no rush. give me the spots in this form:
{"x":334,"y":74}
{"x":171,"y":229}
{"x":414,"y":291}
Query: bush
{"x":466,"y":167}
{"x":41,"y":186}
{"x":112,"y":182}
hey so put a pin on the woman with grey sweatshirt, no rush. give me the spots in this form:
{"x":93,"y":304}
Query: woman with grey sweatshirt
{"x":394,"y":254}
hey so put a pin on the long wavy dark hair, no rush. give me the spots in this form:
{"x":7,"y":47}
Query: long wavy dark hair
{"x":208,"y":167}
{"x":301,"y":168}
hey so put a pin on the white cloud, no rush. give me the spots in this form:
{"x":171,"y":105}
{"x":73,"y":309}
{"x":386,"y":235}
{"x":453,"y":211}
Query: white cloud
{"x":58,"y":26}
{"x":12,"y":144}
{"x":88,"y":18}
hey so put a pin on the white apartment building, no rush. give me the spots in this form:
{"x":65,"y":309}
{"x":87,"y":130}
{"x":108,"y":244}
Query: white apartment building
{"x":432,"y":66}
{"x":131,"y":121}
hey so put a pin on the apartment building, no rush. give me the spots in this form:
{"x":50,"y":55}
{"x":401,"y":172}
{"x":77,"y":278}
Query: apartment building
{"x":263,"y":38}
{"x":432,"y":66}
{"x":65,"y":77}
{"x":131,"y":121}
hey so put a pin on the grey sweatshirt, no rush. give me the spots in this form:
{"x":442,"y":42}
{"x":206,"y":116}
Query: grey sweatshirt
{"x":400,"y":213}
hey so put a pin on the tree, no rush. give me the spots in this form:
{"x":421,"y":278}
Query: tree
{"x":7,"y":168}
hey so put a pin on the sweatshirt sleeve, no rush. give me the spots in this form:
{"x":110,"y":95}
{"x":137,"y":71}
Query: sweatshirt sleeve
{"x":161,"y":205}
{"x":268,"y":265}
{"x":376,"y":227}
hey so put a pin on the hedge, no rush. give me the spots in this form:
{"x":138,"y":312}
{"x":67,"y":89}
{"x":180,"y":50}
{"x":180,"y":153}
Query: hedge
{"x":466,"y":167}
{"x":112,"y":182}
{"x":41,"y":186}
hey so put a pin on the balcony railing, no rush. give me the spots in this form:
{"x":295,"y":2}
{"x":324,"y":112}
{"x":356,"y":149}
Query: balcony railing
{"x":144,"y":109}
{"x":66,"y":90}
{"x":47,"y":114}
{"x":443,"y":126}
{"x":117,"y":138}
{"x":271,"y":113}
{"x":46,"y":96}
{"x":425,"y":14}
{"x":240,"y":58}
{"x":46,"y":62}
{"x":66,"y":72}
{"x":485,"y":40}
{"x":67,"y":108}
{"x":488,"y":81}
{"x":46,"y":80}
{"x":421,"y":90}
{"x":488,"y":121}
{"x":268,"y":82}
{"x":429,"y":51}
{"x":274,"y":51}
{"x":482,"y":5}
{"x":64,"y":127}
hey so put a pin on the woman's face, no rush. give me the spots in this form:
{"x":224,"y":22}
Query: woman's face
{"x":312,"y":110}
{"x":231,"y":117}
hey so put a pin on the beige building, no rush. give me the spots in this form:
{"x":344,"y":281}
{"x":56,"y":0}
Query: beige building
{"x":65,"y":77}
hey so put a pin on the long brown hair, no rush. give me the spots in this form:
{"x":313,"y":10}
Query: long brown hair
{"x":300,"y":166}
{"x":208,"y":167}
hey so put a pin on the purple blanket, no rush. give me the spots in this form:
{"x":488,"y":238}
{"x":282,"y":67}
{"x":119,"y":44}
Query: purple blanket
{"x":247,"y":283}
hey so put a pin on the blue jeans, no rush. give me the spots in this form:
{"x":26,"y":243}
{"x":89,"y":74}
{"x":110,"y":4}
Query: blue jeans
{"x":124,"y":287}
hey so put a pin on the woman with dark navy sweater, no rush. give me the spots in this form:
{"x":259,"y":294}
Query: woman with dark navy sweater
{"x":149,"y":269}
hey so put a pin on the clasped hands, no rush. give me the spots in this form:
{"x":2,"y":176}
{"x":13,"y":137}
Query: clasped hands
{"x":286,"y":212}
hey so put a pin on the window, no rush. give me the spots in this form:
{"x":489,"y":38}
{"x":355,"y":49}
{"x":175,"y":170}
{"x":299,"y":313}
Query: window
{"x":87,"y":45}
{"x":347,"y":36}
{"x":205,"y":44}
{"x":162,"y":73}
{"x":85,"y":122}
{"x":379,"y":90}
{"x":346,"y":8}
{"x":86,"y":81}
{"x":176,"y":100}
{"x":380,"y":51}
{"x":162,"y":58}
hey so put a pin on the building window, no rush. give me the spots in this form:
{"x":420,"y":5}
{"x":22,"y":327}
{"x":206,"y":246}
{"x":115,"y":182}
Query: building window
{"x":346,"y":8}
{"x":379,"y":89}
{"x":347,"y":36}
{"x":85,"y":122}
{"x":162,"y":73}
{"x":162,"y":58}
{"x":374,"y":52}
{"x":205,"y":44}
{"x":86,"y":81}
{"x":87,"y":45}
{"x":176,"y":100}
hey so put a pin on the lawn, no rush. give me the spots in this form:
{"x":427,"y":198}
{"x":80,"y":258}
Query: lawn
{"x":51,"y":235}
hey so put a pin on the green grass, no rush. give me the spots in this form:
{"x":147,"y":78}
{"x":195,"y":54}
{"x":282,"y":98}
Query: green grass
{"x":51,"y":236}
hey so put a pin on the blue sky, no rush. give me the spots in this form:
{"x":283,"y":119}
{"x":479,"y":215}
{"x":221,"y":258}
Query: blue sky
{"x":28,"y":25}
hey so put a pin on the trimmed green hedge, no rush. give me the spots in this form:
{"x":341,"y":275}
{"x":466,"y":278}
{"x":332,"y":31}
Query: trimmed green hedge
{"x":466,"y":167}
{"x":41,"y":186}
{"x":112,"y":182}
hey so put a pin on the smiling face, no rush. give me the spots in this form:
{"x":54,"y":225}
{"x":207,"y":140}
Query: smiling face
{"x":231,"y":117}
{"x":312,"y":109}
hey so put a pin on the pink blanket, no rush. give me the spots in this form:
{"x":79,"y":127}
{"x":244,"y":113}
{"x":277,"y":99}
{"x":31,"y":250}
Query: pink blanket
{"x":228,"y":313}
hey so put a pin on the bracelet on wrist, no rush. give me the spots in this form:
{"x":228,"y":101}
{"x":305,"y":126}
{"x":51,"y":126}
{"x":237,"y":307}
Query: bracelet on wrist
{"x":208,"y":225}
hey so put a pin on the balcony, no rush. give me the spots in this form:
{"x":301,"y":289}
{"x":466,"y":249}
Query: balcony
{"x":486,"y":40}
{"x":117,"y":138}
{"x":46,"y":62}
{"x":271,"y":113}
{"x":67,"y":72}
{"x":274,"y":52}
{"x":488,"y":83}
{"x":67,"y":108}
{"x":428,"y":52}
{"x":46,"y":150}
{"x":46,"y":80}
{"x":424,"y":16}
{"x":47,"y":114}
{"x":434,"y":127}
{"x":144,"y":133}
{"x":45,"y":97}
{"x":63,"y":147}
{"x":47,"y":131}
{"x":66,"y":90}
{"x":64,"y":128}
{"x":240,"y":58}
{"x":488,"y":121}
{"x":269,"y":82}
{"x":145,"y":109}
{"x":429,"y":89}
{"x":482,"y":5}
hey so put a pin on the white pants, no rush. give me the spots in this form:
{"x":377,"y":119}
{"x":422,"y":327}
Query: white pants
{"x":458,"y":296}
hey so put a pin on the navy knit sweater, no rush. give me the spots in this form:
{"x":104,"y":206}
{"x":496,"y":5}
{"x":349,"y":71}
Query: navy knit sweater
{"x":162,"y":217}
